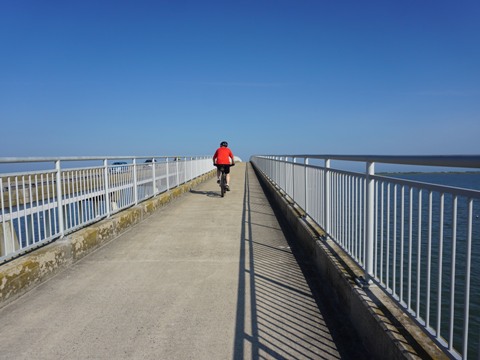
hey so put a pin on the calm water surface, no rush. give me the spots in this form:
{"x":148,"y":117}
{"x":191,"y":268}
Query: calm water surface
{"x":467,"y":181}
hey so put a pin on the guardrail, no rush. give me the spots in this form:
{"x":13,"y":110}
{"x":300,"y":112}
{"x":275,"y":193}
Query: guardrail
{"x":37,"y":207}
{"x":418,"y":241}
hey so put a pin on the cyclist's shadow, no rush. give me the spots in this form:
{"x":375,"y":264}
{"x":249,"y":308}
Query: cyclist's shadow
{"x":207,"y":193}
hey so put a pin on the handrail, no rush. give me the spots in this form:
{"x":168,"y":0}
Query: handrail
{"x":81,"y":158}
{"x":456,"y":161}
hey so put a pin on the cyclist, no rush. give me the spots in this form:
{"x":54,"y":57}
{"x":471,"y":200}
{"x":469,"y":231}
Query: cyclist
{"x":223,"y":157}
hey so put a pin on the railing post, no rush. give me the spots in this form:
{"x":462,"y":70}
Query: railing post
{"x":306,"y":186}
{"x":107,"y":188}
{"x":327,"y":200}
{"x":369,"y":219}
{"x":135,"y":190}
{"x":293,"y":178}
{"x":168,"y":180}
{"x":275,"y":170}
{"x":178,"y":175}
{"x":61,"y":221}
{"x":278,"y":171}
{"x":185,"y":170}
{"x":154,"y":177}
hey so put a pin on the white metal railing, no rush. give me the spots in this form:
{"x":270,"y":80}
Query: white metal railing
{"x":39,"y":206}
{"x":418,"y":241}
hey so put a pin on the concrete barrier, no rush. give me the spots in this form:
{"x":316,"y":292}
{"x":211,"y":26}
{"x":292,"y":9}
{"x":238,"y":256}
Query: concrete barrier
{"x":27,"y":271}
{"x":386,"y":331}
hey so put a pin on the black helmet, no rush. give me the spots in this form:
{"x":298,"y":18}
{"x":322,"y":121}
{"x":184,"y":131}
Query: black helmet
{"x":224,"y":143}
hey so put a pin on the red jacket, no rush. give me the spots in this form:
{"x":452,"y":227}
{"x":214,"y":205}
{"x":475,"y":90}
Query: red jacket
{"x":222,"y":156}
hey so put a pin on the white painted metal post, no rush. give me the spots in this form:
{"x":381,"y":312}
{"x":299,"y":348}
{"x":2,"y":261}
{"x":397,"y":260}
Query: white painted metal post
{"x":135,"y":190}
{"x":107,"y":188}
{"x":293,"y":178}
{"x":306,"y":186}
{"x":370,"y":218}
{"x":178,"y":175}
{"x":185,"y":171}
{"x":467,"y":279}
{"x":61,"y":221}
{"x":277,"y":172}
{"x":327,"y":202}
{"x":168,"y":180}
{"x":154,"y":180}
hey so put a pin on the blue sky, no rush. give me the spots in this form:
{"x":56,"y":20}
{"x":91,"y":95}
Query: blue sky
{"x":81,"y":78}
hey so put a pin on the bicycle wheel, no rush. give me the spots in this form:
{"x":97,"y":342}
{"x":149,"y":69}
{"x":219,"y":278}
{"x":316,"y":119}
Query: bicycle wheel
{"x":223,"y":183}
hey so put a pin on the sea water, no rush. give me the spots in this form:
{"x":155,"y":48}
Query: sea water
{"x":466,"y":181}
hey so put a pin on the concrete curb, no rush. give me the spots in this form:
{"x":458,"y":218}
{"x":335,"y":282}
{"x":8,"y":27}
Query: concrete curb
{"x":383,"y":327}
{"x":24,"y":273}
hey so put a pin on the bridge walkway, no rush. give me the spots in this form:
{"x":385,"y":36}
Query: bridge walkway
{"x":203,"y":278}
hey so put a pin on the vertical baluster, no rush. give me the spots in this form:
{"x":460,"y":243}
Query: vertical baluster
{"x":429,"y":256}
{"x":402,"y":234}
{"x":59,"y":199}
{"x":410,"y":247}
{"x":4,"y":223}
{"x":466,"y":310}
{"x":37,"y":212}
{"x":135,"y":187}
{"x":453,"y":265}
{"x":326,"y":210}
{"x":44,"y":220}
{"x":167,"y":171}
{"x":419,"y":254}
{"x":375,"y":236}
{"x":382,"y":236}
{"x":394,"y":270}
{"x":25,"y":216}
{"x":369,"y":219}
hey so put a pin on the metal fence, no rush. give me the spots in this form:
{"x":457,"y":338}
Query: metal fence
{"x":66,"y":194}
{"x":419,"y":241}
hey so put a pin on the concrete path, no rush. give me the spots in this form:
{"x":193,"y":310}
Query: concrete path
{"x":204,"y":278}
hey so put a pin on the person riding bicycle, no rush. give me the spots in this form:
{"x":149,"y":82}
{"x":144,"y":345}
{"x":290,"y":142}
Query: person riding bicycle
{"x":223,"y":157}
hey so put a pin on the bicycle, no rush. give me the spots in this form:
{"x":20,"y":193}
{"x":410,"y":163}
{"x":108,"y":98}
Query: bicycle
{"x":223,"y":180}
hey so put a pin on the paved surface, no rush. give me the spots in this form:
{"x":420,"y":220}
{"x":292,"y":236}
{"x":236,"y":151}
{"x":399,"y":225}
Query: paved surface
{"x":203,"y":278}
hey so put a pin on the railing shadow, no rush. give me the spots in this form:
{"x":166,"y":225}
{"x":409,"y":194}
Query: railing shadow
{"x":280,"y":314}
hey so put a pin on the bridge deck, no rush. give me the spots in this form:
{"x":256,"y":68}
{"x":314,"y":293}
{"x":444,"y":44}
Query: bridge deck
{"x":203,"y":278}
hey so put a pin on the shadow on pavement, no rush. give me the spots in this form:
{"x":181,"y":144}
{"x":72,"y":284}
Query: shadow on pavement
{"x":281,"y":311}
{"x":206,"y":193}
